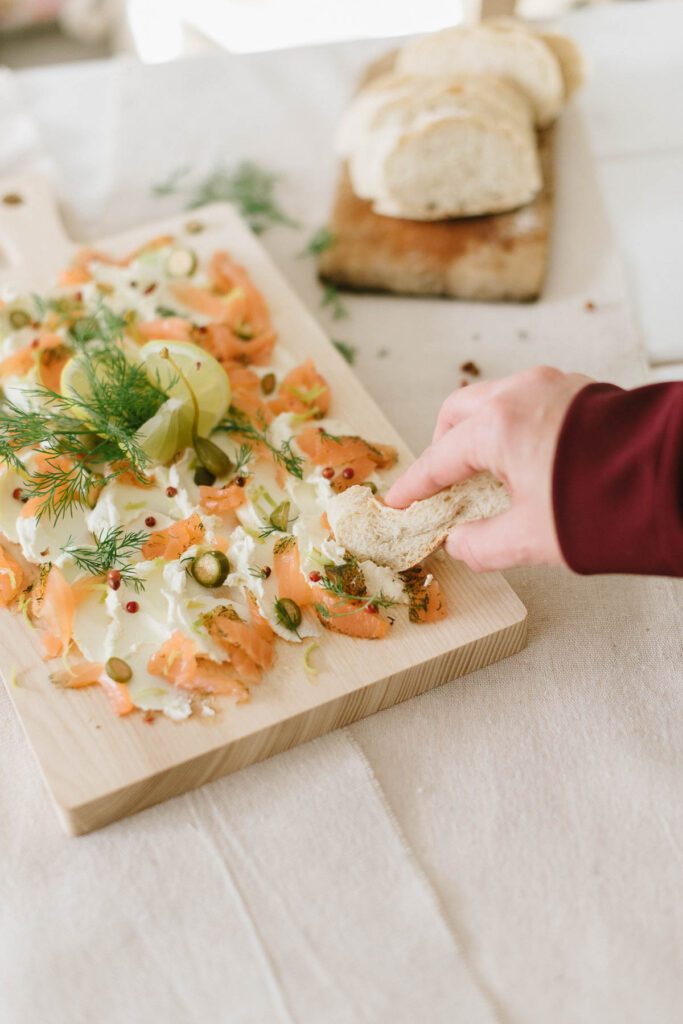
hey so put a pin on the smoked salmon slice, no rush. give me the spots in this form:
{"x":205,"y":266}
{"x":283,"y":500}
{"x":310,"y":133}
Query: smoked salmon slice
{"x":426,"y":599}
{"x":303,"y":391}
{"x":349,"y":617}
{"x":179,"y":662}
{"x":166,"y":328}
{"x":224,"y":345}
{"x":325,"y":449}
{"x":11,"y":578}
{"x":220,"y":500}
{"x":291,"y":583}
{"x":53,"y":610}
{"x":174,"y":541}
{"x":226,"y":627}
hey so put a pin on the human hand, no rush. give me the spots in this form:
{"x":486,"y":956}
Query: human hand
{"x":509,"y":427}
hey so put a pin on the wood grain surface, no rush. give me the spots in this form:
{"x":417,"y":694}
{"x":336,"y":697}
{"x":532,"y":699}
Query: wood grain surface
{"x":99,"y":768}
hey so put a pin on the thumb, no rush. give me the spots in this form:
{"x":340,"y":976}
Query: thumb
{"x":498,"y":543}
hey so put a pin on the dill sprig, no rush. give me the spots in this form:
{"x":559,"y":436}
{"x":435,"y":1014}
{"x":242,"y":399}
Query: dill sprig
{"x":347,"y":351}
{"x":332,"y":300}
{"x":242,"y":459}
{"x":258,"y":574}
{"x":81,"y":434}
{"x":235,"y":422}
{"x":101,"y":325}
{"x":326,"y":436}
{"x":112,"y":550}
{"x":249,"y":187}
{"x":319,"y":242}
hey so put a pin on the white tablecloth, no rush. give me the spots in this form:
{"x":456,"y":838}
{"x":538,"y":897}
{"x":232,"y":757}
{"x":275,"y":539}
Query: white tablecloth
{"x":508,"y":848}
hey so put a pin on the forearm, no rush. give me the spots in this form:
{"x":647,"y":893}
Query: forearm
{"x":618,"y":480}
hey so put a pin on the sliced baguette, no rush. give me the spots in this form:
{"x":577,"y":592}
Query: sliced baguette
{"x":433,"y":148}
{"x":400,"y":538}
{"x":499,"y":46}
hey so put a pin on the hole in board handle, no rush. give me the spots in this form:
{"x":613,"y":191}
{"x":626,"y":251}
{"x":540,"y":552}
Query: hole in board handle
{"x":12,"y":199}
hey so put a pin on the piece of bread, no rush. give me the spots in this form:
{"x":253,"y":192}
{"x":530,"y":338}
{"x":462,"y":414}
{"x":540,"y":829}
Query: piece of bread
{"x":498,"y":46}
{"x":400,"y":538}
{"x":434,"y":148}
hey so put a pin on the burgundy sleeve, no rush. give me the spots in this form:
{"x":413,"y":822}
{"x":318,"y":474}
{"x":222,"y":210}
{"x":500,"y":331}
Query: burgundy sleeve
{"x":618,"y":480}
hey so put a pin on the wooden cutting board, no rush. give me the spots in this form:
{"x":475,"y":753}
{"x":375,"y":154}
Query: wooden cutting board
{"x":99,"y":768}
{"x":499,"y":257}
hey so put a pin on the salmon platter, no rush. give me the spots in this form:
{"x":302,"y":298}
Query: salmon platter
{"x":173,"y":425}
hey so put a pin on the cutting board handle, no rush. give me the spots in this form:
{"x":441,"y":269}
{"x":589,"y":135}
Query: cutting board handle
{"x":32,"y":237}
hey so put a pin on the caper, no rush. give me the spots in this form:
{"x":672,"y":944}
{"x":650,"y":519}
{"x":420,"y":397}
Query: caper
{"x":210,"y":569}
{"x":288,"y":613}
{"x":268,"y":383}
{"x":243,"y":331}
{"x":118,"y":670}
{"x":18,"y":318}
{"x":372,"y":486}
{"x":212,"y":457}
{"x":203,"y":477}
{"x":279,"y":517}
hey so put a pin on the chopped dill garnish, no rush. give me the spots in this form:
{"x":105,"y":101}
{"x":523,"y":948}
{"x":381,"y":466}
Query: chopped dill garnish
{"x":249,"y":187}
{"x":259,"y":574}
{"x":235,"y":422}
{"x":348,"y":352}
{"x":332,"y":299}
{"x":319,"y":242}
{"x":112,"y":550}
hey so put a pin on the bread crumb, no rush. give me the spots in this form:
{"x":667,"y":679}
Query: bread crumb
{"x":589,"y":306}
{"x":471,"y":368}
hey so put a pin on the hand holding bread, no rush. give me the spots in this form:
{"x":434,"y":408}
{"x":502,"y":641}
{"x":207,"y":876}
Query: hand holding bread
{"x":508,"y":428}
{"x":503,"y":430}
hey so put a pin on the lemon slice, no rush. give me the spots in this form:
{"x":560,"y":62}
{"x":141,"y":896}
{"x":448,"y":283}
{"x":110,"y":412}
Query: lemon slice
{"x":74,"y":380}
{"x":205,"y":375}
{"x":166,"y":433}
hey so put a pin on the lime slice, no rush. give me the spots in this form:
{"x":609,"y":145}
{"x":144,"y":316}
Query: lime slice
{"x":74,"y":380}
{"x":166,"y":432}
{"x":203,"y":373}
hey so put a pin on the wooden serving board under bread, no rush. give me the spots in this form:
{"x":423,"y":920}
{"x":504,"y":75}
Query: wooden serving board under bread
{"x":498,"y":257}
{"x":99,"y":768}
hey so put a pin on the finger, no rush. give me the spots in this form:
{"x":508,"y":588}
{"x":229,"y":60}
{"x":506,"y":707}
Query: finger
{"x":453,"y":458}
{"x":503,"y":542}
{"x":463,"y":403}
